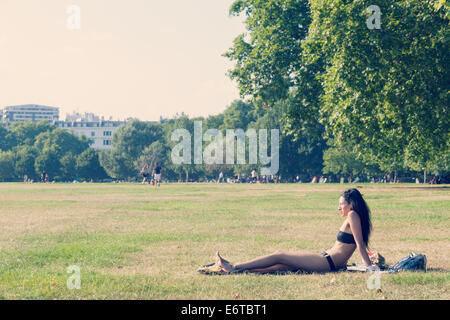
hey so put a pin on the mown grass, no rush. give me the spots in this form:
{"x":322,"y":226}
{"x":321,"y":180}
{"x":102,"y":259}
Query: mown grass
{"x":137,"y":242}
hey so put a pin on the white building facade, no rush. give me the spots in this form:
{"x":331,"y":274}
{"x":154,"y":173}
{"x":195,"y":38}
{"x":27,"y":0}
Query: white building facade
{"x":99,"y":132}
{"x":96,"y":129}
{"x":30,"y":112}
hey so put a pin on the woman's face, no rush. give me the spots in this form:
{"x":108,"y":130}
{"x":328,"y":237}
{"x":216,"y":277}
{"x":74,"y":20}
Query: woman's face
{"x":344,"y":207}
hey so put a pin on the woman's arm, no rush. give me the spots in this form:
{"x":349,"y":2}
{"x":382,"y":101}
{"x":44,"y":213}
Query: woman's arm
{"x":355,"y":225}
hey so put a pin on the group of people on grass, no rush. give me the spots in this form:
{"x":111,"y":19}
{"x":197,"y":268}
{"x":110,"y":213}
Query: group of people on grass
{"x":253,"y":178}
{"x":151,"y":175}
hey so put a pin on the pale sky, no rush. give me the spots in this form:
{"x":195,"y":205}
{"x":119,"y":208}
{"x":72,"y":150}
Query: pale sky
{"x":130,"y":58}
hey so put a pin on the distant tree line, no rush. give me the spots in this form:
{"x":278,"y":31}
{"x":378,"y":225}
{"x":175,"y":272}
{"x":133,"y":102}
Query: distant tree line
{"x":29,"y":148}
{"x":138,"y":143}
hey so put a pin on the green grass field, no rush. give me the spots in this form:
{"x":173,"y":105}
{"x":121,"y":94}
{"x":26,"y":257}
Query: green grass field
{"x":132,"y":241}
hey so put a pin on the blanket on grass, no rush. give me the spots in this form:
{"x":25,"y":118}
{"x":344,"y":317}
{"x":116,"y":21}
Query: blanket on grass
{"x":214,"y":269}
{"x":412,"y":262}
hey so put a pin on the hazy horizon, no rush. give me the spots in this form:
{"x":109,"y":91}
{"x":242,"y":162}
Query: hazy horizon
{"x":136,"y":59}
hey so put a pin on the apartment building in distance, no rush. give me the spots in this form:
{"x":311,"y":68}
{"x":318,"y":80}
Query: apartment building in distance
{"x":29,"y":112}
{"x":96,"y":129}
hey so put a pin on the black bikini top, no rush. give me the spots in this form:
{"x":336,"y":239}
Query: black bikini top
{"x":345,"y":237}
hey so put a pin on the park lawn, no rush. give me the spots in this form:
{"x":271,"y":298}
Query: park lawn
{"x":133,"y":241}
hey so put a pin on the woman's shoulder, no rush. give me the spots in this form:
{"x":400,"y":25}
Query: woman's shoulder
{"x":353,"y":215}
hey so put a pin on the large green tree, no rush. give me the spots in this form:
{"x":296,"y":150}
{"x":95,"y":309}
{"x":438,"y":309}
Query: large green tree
{"x":40,"y":146}
{"x":344,"y":161}
{"x":5,"y":139}
{"x":183,"y":171}
{"x":62,"y":141}
{"x":56,"y":150}
{"x":25,"y":157}
{"x":298,"y":155}
{"x":269,"y":52}
{"x":48,"y":161}
{"x":237,"y":116}
{"x":7,"y":166}
{"x":21,"y":133}
{"x":68,"y":167}
{"x":385,"y":91}
{"x":133,"y":137}
{"x":271,"y":72}
{"x":88,"y":166}
{"x":129,"y":142}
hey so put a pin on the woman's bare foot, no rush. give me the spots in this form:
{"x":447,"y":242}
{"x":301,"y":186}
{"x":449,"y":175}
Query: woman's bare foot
{"x":224,"y":264}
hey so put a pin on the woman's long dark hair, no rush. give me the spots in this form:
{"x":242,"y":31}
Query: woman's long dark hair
{"x":354,"y":197}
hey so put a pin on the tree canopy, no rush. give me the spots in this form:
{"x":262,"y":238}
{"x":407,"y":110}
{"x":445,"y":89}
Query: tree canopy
{"x":382,"y":90}
{"x":385,"y":90}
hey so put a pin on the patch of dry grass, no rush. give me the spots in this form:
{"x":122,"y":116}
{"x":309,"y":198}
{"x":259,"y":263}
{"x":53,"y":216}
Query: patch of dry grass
{"x":137,"y":242}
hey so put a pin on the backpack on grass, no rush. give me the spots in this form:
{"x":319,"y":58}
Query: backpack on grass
{"x":413,"y":262}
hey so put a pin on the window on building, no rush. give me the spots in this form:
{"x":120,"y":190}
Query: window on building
{"x":106,"y":142}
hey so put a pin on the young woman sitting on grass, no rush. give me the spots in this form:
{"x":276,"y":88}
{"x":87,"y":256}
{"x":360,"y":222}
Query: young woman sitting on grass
{"x":354,"y":233}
